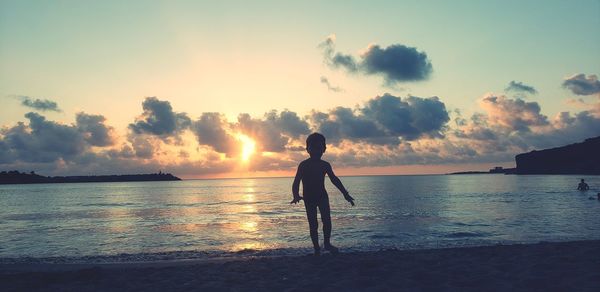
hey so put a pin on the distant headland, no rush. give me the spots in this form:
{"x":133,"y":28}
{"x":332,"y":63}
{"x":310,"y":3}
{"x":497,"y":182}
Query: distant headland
{"x":16,"y":177}
{"x":577,"y":158}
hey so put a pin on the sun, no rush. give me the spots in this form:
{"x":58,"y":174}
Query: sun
{"x":248,"y":146}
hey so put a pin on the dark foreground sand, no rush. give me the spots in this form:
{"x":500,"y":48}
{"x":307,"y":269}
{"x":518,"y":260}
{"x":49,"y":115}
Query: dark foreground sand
{"x":568,"y":266}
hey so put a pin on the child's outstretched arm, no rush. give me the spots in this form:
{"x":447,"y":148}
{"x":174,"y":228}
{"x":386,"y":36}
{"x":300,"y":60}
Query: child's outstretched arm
{"x":338,"y":183}
{"x":296,"y":186}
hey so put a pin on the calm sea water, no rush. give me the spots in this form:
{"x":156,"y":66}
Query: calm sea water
{"x":187,"y":218}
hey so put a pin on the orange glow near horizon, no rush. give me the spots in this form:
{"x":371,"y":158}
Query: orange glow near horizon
{"x":360,"y":171}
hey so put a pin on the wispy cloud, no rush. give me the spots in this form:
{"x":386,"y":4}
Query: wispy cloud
{"x":39,"y":104}
{"x":520,"y":87}
{"x":330,"y":87}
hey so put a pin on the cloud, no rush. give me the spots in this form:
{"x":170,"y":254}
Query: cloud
{"x":512,"y":114}
{"x":42,"y":140}
{"x":579,"y":84}
{"x":396,"y":63}
{"x":384,"y":120}
{"x":412,"y":118}
{"x":159,"y":119}
{"x":343,"y":123}
{"x":330,"y":87}
{"x":142,"y":147}
{"x":46,"y":141}
{"x":289,"y":122}
{"x":511,"y":126}
{"x":519,"y":87}
{"x":212,"y":129}
{"x":94,"y":129}
{"x":39,"y":104}
{"x":385,"y":130}
{"x":274,"y":131}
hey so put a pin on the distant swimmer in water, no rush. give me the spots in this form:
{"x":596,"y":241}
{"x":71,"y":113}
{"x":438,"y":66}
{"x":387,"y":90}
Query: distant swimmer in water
{"x":583,"y":186}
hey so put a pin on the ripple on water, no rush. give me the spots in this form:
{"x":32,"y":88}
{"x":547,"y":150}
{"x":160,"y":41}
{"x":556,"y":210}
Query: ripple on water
{"x":402,"y":211}
{"x":463,"y":234}
{"x":382,"y":236}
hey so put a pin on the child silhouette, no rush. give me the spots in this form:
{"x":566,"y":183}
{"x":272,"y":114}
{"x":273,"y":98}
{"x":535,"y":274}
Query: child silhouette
{"x":312,"y":174}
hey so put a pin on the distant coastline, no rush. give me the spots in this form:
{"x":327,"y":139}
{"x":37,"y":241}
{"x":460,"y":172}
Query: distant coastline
{"x":495,"y":170}
{"x":16,"y":177}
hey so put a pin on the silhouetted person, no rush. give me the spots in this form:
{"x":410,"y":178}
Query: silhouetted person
{"x":312,"y":174}
{"x":583,"y":186}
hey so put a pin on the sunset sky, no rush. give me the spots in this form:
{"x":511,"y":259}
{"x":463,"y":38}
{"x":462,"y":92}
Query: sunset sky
{"x":232,"y":88}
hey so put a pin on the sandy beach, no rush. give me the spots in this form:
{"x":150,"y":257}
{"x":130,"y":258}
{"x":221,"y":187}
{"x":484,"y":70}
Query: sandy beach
{"x":566,"y":266}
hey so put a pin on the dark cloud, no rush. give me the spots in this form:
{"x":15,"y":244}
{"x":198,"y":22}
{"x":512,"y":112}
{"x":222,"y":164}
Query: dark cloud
{"x":477,"y":129}
{"x":211,"y":129}
{"x":124,"y":152}
{"x":410,"y":118}
{"x":39,"y":104}
{"x":581,"y":85}
{"x":94,"y":129}
{"x":289,"y":122}
{"x":343,"y":123}
{"x":519,"y":87}
{"x":396,"y":63}
{"x":384,"y":119}
{"x":330,"y":87}
{"x":348,"y":62}
{"x":42,"y":140}
{"x":5,"y":153}
{"x":274,"y":131}
{"x":159,"y":119}
{"x":142,"y":147}
{"x":569,"y":128}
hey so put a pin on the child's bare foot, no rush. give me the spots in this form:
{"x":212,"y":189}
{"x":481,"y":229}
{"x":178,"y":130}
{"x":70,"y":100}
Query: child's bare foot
{"x":331,"y":248}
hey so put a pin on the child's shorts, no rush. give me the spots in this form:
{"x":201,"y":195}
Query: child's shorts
{"x":312,"y":203}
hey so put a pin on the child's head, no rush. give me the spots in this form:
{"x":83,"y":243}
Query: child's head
{"x":315,"y":145}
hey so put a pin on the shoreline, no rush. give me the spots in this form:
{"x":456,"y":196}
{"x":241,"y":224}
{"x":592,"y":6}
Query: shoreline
{"x":522,"y":267}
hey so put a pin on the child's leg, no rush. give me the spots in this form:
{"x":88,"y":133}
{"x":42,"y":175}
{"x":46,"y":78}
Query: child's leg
{"x":326,"y":219}
{"x":313,"y":224}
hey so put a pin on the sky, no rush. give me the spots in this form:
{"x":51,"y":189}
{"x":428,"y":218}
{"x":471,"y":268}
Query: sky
{"x":231,"y":89}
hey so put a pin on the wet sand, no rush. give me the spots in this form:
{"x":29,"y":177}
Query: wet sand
{"x":566,"y":266}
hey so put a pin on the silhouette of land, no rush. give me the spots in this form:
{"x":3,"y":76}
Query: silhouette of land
{"x":578,"y":158}
{"x":495,"y":170}
{"x":16,"y":177}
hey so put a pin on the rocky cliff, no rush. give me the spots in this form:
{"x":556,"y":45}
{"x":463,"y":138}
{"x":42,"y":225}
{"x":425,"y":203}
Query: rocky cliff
{"x":578,"y":158}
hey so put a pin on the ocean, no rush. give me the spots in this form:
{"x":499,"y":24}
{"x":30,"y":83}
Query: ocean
{"x":132,"y":221}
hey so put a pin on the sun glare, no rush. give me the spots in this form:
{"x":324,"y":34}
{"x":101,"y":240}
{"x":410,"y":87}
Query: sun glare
{"x":248,"y":147}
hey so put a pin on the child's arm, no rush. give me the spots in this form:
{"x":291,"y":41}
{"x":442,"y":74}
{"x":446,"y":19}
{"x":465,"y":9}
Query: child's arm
{"x":338,"y":183}
{"x":296,"y":186}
